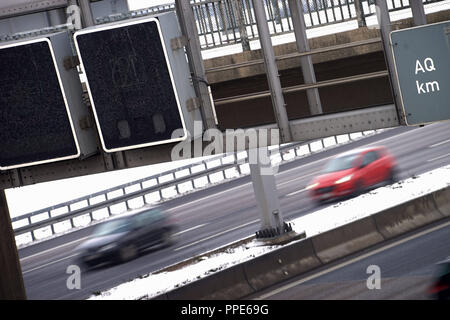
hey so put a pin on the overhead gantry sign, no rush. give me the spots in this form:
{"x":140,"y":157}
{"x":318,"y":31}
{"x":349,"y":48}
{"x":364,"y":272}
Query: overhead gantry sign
{"x":422,"y":64}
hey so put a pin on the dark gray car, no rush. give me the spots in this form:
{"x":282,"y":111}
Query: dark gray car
{"x":124,"y":238}
{"x":440,"y":289}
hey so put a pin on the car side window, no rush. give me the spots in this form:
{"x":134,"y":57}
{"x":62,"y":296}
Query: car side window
{"x":369,"y":157}
{"x":148,"y":217}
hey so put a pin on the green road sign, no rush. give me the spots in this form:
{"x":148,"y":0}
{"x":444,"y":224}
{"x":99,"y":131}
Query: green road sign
{"x":422,"y":65}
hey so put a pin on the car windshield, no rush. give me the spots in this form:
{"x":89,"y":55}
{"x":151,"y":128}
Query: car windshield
{"x":340,"y":163}
{"x":112,"y":227}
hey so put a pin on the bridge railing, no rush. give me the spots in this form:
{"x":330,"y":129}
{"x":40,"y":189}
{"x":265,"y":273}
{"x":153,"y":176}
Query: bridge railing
{"x":225,"y":22}
{"x":83,"y":211}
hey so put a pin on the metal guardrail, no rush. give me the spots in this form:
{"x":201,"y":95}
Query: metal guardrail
{"x":51,"y":218}
{"x":225,"y":22}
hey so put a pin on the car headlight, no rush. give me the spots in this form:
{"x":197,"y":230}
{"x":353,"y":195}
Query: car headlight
{"x":108,"y":247}
{"x":344,"y":179}
{"x":312,"y":186}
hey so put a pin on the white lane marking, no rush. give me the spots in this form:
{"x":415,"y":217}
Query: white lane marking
{"x":54,"y":248}
{"x":190,"y":229}
{"x":439,"y":143}
{"x":301,"y":281}
{"x":49,"y":263}
{"x":207,"y":197}
{"x":306,"y":164}
{"x":296,"y":192}
{"x":391,"y":137}
{"x":306,"y":175}
{"x":440,"y":157}
{"x":215,"y":235}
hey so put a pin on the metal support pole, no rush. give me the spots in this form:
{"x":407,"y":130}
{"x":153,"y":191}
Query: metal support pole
{"x":384,"y":22}
{"x":201,"y":86}
{"x":239,"y":14}
{"x":265,"y":190}
{"x":86,"y":13}
{"x":56,"y":17}
{"x":273,"y":77}
{"x":309,"y":76}
{"x":418,"y":12}
{"x":11,"y":280}
{"x":360,"y":14}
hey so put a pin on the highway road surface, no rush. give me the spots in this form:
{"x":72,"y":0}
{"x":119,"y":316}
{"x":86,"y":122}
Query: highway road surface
{"x":225,"y":213}
{"x":407,"y":268}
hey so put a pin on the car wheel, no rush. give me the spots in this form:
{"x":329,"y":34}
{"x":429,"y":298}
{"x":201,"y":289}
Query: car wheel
{"x":392,"y":177}
{"x":319,"y":202}
{"x":167,"y":238}
{"x":358,"y":188}
{"x":128,"y":252}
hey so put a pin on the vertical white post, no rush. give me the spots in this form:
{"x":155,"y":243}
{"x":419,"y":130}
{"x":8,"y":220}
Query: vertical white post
{"x":265,"y":190}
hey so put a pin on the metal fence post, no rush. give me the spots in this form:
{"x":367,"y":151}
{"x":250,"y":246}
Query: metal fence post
{"x":309,"y":76}
{"x":418,"y":12}
{"x":90,"y":213}
{"x":239,"y":14}
{"x":52,"y":226}
{"x":108,"y":208}
{"x":273,"y":77}
{"x":360,"y":14}
{"x":86,"y":13}
{"x":384,"y":22}
{"x":188,"y":29}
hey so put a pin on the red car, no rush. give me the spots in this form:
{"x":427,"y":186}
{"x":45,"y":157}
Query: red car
{"x":353,"y":172}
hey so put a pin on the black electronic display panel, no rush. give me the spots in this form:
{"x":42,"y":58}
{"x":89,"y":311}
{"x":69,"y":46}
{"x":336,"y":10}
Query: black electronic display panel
{"x":130,"y":84}
{"x":34,"y":122}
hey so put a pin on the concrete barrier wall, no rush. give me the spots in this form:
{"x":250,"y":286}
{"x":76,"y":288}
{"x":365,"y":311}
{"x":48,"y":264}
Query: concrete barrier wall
{"x":442,"y":200}
{"x":407,"y":216}
{"x":229,"y":284}
{"x":305,"y":255}
{"x":340,"y":242}
{"x":283,"y":264}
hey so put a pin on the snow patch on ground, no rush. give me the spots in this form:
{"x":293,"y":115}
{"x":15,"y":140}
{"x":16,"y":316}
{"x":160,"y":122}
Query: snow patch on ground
{"x":152,"y":285}
{"x":317,"y":222}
